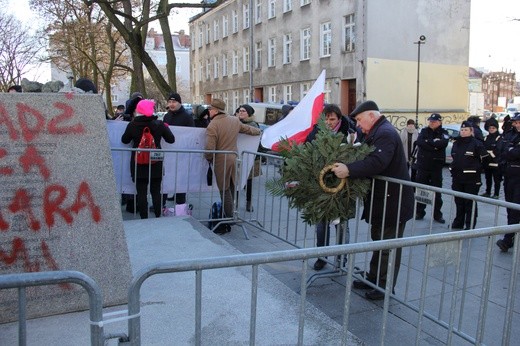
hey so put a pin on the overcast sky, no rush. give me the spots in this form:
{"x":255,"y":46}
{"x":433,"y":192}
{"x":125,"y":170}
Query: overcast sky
{"x":494,"y":36}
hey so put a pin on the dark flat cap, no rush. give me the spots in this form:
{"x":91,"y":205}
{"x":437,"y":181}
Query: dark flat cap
{"x":363,"y":107}
{"x":435,"y":117}
{"x":465,"y":124}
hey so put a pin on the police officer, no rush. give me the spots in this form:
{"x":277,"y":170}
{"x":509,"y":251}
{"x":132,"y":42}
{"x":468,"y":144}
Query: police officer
{"x":431,"y":156}
{"x":492,"y":171}
{"x":468,"y":155}
{"x":511,"y":164}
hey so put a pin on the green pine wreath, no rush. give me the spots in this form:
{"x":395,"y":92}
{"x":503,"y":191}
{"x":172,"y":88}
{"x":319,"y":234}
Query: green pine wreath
{"x":309,"y":184}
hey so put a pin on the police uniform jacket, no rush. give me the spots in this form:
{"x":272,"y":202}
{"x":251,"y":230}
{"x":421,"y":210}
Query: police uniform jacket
{"x":387,"y":159}
{"x":432,"y":145}
{"x":134,"y":132}
{"x":468,"y":156}
{"x":511,"y":154}
{"x":492,"y":144}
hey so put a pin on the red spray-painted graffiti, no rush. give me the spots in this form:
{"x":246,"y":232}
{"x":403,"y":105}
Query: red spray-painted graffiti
{"x":26,"y":128}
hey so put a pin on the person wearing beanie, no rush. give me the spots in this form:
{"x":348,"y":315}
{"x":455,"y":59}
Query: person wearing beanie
{"x":201,"y":115}
{"x":388,"y":206}
{"x":510,"y":162}
{"x":337,"y":123}
{"x":144,"y":174}
{"x":246,"y":115}
{"x":468,"y":155}
{"x":221,"y":134}
{"x":178,"y":116}
{"x":493,"y":144}
{"x":474,"y":120}
{"x":431,"y":157}
{"x":131,"y":104}
{"x":409,"y":136}
{"x":15,"y":89}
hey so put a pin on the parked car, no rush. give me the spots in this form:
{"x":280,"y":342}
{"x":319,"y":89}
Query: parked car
{"x":453,"y":131}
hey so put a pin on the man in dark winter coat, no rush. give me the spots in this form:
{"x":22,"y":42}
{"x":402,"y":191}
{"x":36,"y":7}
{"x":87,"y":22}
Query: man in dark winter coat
{"x":431,"y":156}
{"x":178,"y":116}
{"x":392,"y":203}
{"x":510,"y":160}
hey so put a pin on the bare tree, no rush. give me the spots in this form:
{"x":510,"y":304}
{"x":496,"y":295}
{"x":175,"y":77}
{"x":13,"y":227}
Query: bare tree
{"x":83,"y":42}
{"x":132,"y":23}
{"x":18,"y":50}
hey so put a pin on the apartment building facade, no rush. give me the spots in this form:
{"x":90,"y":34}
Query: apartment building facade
{"x":272,"y":51}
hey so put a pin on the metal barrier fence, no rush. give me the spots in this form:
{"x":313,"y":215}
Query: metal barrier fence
{"x":429,"y":307}
{"x":23,"y":280}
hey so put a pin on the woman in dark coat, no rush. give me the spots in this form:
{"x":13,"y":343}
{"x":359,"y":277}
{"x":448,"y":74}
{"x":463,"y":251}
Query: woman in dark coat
{"x":144,"y":173}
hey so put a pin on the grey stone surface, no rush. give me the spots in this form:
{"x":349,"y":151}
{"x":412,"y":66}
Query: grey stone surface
{"x":52,"y":87}
{"x":31,"y":86}
{"x":59,"y":208}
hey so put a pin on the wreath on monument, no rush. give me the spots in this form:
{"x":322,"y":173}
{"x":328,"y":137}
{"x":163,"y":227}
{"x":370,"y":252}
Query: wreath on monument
{"x":309,"y":184}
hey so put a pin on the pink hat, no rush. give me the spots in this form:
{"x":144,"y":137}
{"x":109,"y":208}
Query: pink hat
{"x":145,"y":107}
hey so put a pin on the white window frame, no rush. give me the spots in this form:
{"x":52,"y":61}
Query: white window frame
{"x":225,"y":26}
{"x":201,"y":70}
{"x":271,"y":91}
{"x":236,"y":100}
{"x":287,"y":92}
{"x":258,"y":11}
{"x":325,"y":39}
{"x":304,"y":89}
{"x":246,"y":94}
{"x":271,"y":9}
{"x":234,"y":21}
{"x":208,"y":69}
{"x":215,"y":67}
{"x":287,"y":6}
{"x":216,"y":30}
{"x":234,"y":64}
{"x":304,"y":2}
{"x":225,"y":97}
{"x":224,"y":65}
{"x":287,"y":48}
{"x":245,"y":59}
{"x":258,"y":55}
{"x":245,"y":13}
{"x":208,"y":33}
{"x":305,"y":44}
{"x":349,"y":31}
{"x":271,"y":52}
{"x":201,"y":36}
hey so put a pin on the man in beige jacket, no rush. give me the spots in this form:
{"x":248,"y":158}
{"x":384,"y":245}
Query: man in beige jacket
{"x":221,"y":134}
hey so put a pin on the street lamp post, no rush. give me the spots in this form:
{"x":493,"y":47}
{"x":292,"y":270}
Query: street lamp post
{"x":422,"y":40}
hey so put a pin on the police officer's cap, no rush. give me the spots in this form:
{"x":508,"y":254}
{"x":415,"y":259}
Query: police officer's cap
{"x":435,"y":116}
{"x":516,"y":117}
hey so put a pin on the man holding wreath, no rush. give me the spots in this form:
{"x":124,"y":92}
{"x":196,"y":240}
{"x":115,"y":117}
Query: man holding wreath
{"x":392,"y":204}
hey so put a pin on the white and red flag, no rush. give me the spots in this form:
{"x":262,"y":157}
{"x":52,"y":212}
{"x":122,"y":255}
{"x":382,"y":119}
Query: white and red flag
{"x":296,"y":125}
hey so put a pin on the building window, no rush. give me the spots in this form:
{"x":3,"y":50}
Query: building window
{"x":234,"y":64}
{"x":224,"y":65}
{"x":216,"y":30}
{"x":194,"y":74}
{"x":304,"y":89}
{"x":225,"y":25}
{"x":258,"y":12}
{"x":287,"y":5}
{"x":258,"y":55}
{"x":271,"y":11}
{"x":271,"y":52}
{"x":287,"y":92}
{"x":304,"y":2}
{"x":349,"y":33}
{"x":287,"y":48}
{"x":201,"y":36}
{"x":215,"y":67}
{"x":246,"y":95}
{"x":245,"y":56}
{"x":272,"y":93}
{"x":246,"y":16}
{"x":325,"y":39}
{"x":225,"y":97}
{"x":234,"y":21}
{"x":208,"y":32}
{"x":327,"y":91}
{"x":305,"y":47}
{"x":235,"y":100}
{"x":208,"y":69}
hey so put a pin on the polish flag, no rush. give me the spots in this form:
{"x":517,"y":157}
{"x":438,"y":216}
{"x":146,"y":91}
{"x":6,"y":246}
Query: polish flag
{"x":298,"y":124}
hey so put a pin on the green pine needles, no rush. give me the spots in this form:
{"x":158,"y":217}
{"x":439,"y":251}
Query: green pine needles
{"x":299,"y":180}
